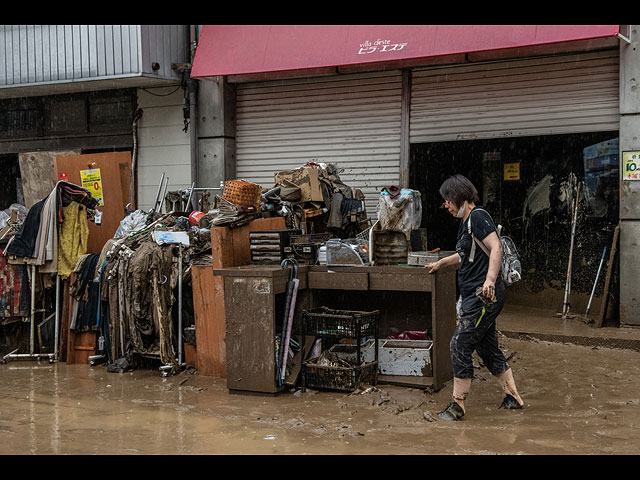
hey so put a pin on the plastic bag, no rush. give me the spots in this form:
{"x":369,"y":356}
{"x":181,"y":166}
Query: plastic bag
{"x":131,"y":223}
{"x":4,"y":218}
{"x":400,"y":213}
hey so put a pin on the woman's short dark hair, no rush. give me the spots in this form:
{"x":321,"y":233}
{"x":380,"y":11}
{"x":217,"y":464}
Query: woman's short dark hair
{"x":458,"y":188}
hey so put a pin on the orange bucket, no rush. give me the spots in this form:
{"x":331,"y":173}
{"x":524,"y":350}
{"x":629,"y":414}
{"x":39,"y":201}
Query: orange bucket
{"x":194,"y":218}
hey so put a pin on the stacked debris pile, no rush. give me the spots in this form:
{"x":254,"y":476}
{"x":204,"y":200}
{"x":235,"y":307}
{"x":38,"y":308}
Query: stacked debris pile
{"x":314,"y":199}
{"x":311,"y":198}
{"x":226,"y":213}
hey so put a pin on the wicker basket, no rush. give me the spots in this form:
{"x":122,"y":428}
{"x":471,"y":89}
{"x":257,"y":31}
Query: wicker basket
{"x":241,"y":192}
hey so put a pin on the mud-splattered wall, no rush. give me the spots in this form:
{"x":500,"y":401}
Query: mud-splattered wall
{"x":535,"y":206}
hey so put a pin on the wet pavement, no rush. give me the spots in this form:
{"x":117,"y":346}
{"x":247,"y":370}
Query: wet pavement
{"x":539,"y":323}
{"x":579,"y":399}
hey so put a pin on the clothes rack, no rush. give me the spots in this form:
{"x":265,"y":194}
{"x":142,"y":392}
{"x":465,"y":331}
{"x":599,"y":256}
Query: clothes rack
{"x":52,"y":357}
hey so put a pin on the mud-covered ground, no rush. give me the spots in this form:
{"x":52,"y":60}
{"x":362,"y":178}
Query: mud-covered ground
{"x":579,"y":400}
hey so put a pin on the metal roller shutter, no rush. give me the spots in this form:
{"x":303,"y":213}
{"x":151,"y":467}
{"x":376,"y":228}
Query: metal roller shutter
{"x":541,"y":96}
{"x":352,"y":121}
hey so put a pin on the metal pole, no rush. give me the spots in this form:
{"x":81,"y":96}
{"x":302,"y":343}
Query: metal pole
{"x":604,"y":252}
{"x":33,"y":310}
{"x":57,"y":319}
{"x":180,"y":306}
{"x":289,"y":326}
{"x":158,"y":192}
{"x":567,"y":290}
{"x":29,"y":355}
{"x":192,"y":91}
{"x":164,"y":194}
{"x":190,"y":195}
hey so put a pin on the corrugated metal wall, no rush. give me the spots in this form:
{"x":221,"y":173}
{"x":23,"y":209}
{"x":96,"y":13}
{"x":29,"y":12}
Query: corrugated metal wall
{"x":52,"y":53}
{"x":541,"y":96}
{"x":164,"y":44}
{"x":352,"y":121}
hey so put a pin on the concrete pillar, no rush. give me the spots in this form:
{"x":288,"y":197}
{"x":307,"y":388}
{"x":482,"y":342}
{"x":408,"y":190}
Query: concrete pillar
{"x":216,"y":132}
{"x":630,"y":189}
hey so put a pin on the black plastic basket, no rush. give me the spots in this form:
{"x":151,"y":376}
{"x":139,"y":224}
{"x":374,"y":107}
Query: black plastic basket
{"x":325,"y":321}
{"x":340,"y":378}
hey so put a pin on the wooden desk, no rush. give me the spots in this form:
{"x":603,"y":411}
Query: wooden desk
{"x":409,"y":299}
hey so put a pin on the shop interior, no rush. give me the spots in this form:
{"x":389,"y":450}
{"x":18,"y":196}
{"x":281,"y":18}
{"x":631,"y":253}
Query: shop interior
{"x":527,"y":184}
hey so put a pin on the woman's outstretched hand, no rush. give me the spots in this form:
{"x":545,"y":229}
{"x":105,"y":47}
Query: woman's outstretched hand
{"x":433,"y":266}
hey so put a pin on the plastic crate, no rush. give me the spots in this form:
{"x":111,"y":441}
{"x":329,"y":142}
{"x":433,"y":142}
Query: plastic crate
{"x":324,"y":321}
{"x":339,"y":378}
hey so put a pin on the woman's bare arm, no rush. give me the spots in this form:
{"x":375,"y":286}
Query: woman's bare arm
{"x":443,"y":262}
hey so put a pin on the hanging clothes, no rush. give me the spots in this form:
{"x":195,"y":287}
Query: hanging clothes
{"x":103,"y":309}
{"x":140,"y":285}
{"x":14,"y":286}
{"x":47,"y":232}
{"x":23,"y":243}
{"x":36,"y":242}
{"x":73,"y":237}
{"x":48,"y":258}
{"x":68,"y":192}
{"x":85,"y":291}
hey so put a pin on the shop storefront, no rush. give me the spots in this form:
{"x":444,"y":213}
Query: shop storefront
{"x":527,"y":113}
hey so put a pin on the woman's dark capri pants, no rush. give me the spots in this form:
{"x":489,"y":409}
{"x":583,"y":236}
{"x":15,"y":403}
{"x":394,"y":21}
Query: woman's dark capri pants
{"x":476,"y":330}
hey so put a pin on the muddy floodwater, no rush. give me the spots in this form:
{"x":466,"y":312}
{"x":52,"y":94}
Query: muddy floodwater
{"x":579,"y":400}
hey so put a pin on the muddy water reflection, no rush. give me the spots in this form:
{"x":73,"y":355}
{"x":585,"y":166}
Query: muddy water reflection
{"x":578,"y":400}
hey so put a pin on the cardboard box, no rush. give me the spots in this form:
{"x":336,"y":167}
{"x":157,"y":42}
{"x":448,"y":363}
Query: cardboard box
{"x":306,"y":179}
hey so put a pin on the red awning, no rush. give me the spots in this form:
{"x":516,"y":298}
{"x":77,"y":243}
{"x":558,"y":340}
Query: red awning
{"x":249,"y":49}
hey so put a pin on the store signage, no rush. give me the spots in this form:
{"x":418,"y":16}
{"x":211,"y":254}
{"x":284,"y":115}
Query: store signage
{"x":630,"y":165}
{"x":380,"y":46}
{"x":92,"y":181}
{"x":511,"y":171}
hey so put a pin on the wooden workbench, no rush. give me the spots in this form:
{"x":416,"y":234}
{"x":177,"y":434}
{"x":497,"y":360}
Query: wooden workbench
{"x":409,"y":298}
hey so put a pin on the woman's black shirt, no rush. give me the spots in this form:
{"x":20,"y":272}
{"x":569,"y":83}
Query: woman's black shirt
{"x":471,"y":275}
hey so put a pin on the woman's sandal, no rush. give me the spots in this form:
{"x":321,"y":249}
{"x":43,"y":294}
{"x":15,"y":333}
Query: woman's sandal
{"x":510,"y":403}
{"x":452,"y":412}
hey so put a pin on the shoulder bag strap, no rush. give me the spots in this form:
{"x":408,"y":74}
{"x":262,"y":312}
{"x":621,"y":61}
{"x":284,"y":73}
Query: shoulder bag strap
{"x":475,"y":240}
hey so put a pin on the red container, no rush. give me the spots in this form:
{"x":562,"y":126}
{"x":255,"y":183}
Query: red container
{"x":194,"y":218}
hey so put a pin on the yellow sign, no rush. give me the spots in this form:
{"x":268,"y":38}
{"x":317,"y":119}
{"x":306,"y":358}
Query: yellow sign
{"x":92,"y":181}
{"x":512,"y":171}
{"x":630,"y":165}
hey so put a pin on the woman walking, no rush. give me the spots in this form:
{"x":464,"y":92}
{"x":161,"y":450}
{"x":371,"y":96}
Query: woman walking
{"x":483,"y":293}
